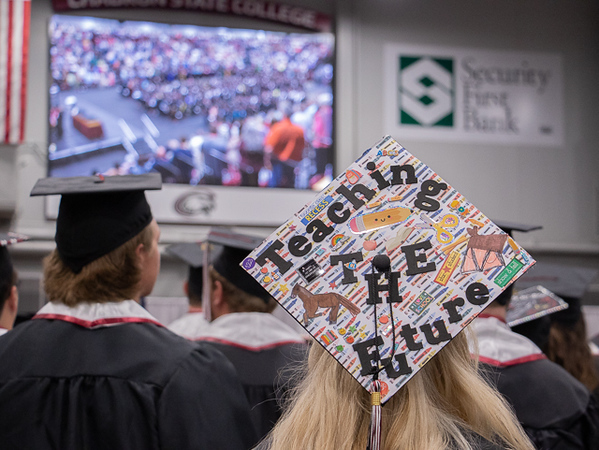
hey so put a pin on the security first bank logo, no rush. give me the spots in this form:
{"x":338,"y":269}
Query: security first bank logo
{"x":426,"y":91}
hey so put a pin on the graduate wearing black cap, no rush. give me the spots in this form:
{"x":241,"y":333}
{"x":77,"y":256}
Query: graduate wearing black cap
{"x":9,"y":293}
{"x":192,"y":324}
{"x":260,"y":346}
{"x":93,"y":369}
{"x":555,"y":409}
{"x":566,"y":336}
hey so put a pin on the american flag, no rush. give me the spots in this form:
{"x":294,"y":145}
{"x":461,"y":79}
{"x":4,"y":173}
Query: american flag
{"x":14,"y":50}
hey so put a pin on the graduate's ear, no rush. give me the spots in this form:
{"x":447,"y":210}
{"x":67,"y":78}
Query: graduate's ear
{"x":217,"y":294}
{"x":186,"y":288}
{"x":13,"y":300}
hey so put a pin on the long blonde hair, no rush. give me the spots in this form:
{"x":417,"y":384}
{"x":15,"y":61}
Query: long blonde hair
{"x":330,"y":410}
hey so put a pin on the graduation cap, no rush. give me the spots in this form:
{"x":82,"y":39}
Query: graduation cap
{"x":510,"y":227}
{"x":385,"y":267}
{"x":533,"y":303}
{"x":97,"y":214}
{"x":6,"y":267}
{"x":569,"y":282}
{"x":192,"y":254}
{"x":235,"y":248}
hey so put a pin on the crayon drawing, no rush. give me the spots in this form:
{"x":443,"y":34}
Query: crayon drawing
{"x":329,"y":300}
{"x":483,"y":252}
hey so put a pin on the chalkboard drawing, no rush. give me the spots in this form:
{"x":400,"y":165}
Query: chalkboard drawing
{"x":329,"y":300}
{"x":483,"y":252}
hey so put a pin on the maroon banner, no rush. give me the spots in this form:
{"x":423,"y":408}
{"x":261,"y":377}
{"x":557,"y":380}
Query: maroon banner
{"x":255,"y":9}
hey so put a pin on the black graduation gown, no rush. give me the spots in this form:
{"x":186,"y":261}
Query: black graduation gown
{"x":556,"y":410}
{"x":130,"y":386}
{"x":266,"y":353}
{"x":264,"y":379}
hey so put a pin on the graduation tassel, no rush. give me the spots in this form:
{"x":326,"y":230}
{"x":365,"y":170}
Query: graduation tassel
{"x":375,"y":417}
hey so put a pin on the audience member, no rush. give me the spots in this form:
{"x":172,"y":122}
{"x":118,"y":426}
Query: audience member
{"x":261,"y":347}
{"x":9,"y":293}
{"x":566,"y":342}
{"x":283,"y":149}
{"x":95,"y":370}
{"x":194,"y":323}
{"x":555,"y":409}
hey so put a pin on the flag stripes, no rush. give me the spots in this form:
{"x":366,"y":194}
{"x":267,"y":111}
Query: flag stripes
{"x":14,"y":49}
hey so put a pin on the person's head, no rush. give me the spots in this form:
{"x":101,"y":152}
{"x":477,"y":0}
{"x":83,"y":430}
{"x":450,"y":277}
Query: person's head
{"x":127,"y":272}
{"x":9,"y":295}
{"x":106,"y":239}
{"x":502,"y":301}
{"x":232,"y":289}
{"x":226,"y":298}
{"x":330,"y":410}
{"x":192,"y":254}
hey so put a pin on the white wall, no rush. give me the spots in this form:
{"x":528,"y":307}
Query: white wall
{"x":555,"y":187}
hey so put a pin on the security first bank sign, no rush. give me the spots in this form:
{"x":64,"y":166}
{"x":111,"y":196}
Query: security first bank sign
{"x":462,"y":95}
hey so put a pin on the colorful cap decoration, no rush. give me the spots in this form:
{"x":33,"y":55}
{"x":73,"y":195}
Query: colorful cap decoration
{"x":533,"y":303}
{"x":97,"y":214}
{"x":569,"y":282}
{"x":386,"y":266}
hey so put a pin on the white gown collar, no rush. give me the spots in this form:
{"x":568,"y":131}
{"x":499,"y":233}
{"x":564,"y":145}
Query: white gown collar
{"x":499,"y":346}
{"x":97,"y":315}
{"x":250,"y":330}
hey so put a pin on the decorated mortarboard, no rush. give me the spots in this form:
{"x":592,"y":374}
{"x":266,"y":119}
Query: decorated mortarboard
{"x":386,"y":266}
{"x":97,"y":214}
{"x":569,"y":282}
{"x":6,"y":239}
{"x":235,"y":248}
{"x":533,"y":303}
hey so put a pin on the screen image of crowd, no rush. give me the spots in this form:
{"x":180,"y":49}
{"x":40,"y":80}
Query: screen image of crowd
{"x":199,"y":105}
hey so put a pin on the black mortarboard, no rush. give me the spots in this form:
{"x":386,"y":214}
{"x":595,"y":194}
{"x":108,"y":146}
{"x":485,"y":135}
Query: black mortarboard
{"x":509,"y":227}
{"x":236,"y":247}
{"x":6,"y":267}
{"x":97,"y":214}
{"x":569,"y":282}
{"x":192,"y":254}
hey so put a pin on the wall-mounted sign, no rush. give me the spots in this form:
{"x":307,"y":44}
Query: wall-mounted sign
{"x":466,"y":95}
{"x":255,"y":9}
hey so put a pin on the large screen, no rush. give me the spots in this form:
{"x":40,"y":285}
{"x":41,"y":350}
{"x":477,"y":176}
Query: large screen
{"x":203,"y":106}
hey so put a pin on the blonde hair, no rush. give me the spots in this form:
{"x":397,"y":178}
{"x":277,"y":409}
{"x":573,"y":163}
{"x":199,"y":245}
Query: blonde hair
{"x":241,"y":301}
{"x":330,"y":410}
{"x":112,"y":277}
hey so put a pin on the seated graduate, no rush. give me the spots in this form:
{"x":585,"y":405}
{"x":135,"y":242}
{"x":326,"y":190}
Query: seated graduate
{"x":93,"y":369}
{"x":566,"y":341}
{"x":446,"y":405}
{"x":9,"y":293}
{"x":555,"y":409}
{"x":261,"y":347}
{"x":192,"y":324}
